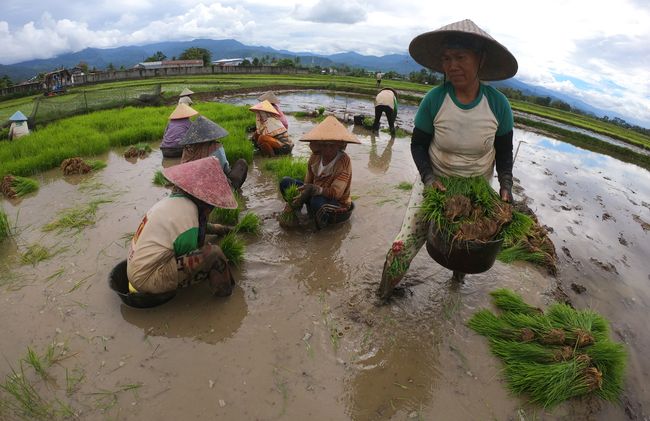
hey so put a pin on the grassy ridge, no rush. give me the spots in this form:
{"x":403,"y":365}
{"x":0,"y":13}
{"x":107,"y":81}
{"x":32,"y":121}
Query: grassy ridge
{"x":95,"y":133}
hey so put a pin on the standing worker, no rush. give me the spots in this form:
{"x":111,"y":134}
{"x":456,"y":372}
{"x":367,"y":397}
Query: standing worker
{"x":378,"y":76}
{"x":461,"y":129}
{"x":385,"y":102}
{"x":19,"y":127}
{"x":184,"y":97}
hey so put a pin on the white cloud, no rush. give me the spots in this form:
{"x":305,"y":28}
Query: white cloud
{"x":326,"y":11}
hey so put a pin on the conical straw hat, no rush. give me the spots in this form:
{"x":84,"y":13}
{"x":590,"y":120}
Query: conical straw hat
{"x":203,"y":179}
{"x":427,"y":48}
{"x":182,"y":111}
{"x":203,"y":130}
{"x":265,"y":106}
{"x":18,"y":116}
{"x":330,"y":130}
{"x":185,"y":92}
{"x":270,"y":97}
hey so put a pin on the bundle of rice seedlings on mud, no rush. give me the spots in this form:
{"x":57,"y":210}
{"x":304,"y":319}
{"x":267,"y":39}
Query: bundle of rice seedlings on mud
{"x":555,"y":355}
{"x":227,"y":216}
{"x":139,"y":150}
{"x":160,"y":180}
{"x":96,"y":164}
{"x":5,"y":228}
{"x":15,"y":186}
{"x":233,"y":248}
{"x":470,"y":210}
{"x":290,"y":193}
{"x":249,"y":224}
{"x":75,"y":166}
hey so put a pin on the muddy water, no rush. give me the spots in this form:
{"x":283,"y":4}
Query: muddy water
{"x":301,"y":336}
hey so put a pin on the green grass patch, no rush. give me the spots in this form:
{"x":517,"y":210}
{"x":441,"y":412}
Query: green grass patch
{"x":76,"y":219}
{"x":555,"y":355}
{"x":5,"y":227}
{"x":233,"y":248}
{"x":286,"y":166}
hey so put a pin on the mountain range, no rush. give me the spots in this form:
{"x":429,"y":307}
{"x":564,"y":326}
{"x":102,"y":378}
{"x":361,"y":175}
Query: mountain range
{"x":129,"y":56}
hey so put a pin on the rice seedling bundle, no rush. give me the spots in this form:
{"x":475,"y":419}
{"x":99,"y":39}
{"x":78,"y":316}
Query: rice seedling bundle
{"x":227,"y":216}
{"x":249,"y":224}
{"x":287,"y":166}
{"x":16,"y":186}
{"x":139,"y":150}
{"x":96,"y":164}
{"x":290,"y":193}
{"x":5,"y":228}
{"x":470,"y":210}
{"x":555,"y":355}
{"x":160,"y":180}
{"x":233,"y":248}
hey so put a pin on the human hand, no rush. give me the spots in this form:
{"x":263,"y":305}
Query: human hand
{"x":506,"y":194}
{"x":435,"y":184}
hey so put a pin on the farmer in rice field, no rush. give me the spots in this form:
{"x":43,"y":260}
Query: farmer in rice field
{"x":184,"y":97}
{"x":271,"y":137}
{"x":172,"y":246}
{"x":201,"y":140}
{"x":18,"y":127}
{"x":326,"y":187}
{"x":275,"y":101}
{"x":179,"y":124}
{"x":462,"y":128}
{"x":385,"y":103}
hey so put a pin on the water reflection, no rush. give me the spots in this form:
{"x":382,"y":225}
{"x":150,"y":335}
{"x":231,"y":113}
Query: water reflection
{"x":193,"y":313}
{"x":378,"y":164}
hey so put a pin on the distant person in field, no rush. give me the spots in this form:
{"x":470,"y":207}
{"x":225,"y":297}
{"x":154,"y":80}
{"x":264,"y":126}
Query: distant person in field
{"x":275,"y":101}
{"x":378,"y":76}
{"x":18,"y":127}
{"x":271,"y":137}
{"x":385,"y":103}
{"x":184,"y":97}
{"x":179,"y":124}
{"x":463,"y":128}
{"x":172,"y":247}
{"x":326,"y":187}
{"x":202,"y":140}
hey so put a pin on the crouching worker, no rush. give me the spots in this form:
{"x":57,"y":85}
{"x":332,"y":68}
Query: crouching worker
{"x":179,"y":124}
{"x":169,"y":250}
{"x":326,"y":187}
{"x":271,"y":136}
{"x":202,"y":140}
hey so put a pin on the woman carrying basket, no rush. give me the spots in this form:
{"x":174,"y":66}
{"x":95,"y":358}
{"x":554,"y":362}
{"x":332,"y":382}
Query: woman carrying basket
{"x":462,"y":128}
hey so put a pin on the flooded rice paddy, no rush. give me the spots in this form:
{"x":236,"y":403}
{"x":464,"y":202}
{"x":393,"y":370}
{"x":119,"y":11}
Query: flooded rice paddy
{"x":302,"y":337}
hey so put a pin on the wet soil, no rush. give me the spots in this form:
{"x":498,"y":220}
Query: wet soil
{"x":302,"y":336}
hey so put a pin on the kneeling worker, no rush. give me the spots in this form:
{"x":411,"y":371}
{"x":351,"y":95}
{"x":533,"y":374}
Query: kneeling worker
{"x":169,"y":249}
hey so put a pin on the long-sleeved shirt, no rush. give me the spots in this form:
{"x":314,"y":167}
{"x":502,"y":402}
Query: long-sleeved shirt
{"x":335,"y":181}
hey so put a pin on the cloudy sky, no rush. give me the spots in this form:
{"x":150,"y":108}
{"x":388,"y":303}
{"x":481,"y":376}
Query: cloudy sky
{"x":598,"y":51}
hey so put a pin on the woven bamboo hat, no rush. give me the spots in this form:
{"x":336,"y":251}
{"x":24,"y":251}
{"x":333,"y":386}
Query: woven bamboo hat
{"x":185,"y":92}
{"x":330,"y":130}
{"x":203,"y":130}
{"x":18,"y":116}
{"x":203,"y":179}
{"x":427,"y":48}
{"x":182,"y":111}
{"x":270,"y":97}
{"x":265,"y":106}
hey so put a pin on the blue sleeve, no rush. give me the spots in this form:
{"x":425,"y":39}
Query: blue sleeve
{"x":220,"y":153}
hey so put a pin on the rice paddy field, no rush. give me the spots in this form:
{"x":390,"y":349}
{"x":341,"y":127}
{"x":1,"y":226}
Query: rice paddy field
{"x":303,"y":335}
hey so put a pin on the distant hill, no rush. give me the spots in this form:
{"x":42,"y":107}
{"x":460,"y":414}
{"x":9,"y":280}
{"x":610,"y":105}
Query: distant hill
{"x":129,"y":56}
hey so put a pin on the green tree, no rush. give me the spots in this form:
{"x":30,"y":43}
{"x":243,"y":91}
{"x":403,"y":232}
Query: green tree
{"x":83,"y":66}
{"x":195,"y":53}
{"x":158,"y":56}
{"x":5,"y":82}
{"x":245,"y":63}
{"x":285,"y":62}
{"x":256,"y":61}
{"x":110,"y":67}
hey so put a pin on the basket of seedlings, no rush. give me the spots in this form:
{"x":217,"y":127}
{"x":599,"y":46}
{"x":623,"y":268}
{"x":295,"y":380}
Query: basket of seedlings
{"x":554,"y":355}
{"x":466,"y":222}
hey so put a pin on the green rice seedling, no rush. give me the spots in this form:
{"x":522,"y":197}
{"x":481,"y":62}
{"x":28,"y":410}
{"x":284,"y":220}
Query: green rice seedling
{"x":519,"y":252}
{"x":290,"y":193}
{"x":513,"y":351}
{"x":517,"y":229}
{"x":486,"y":323}
{"x":250,"y":224}
{"x":16,"y":186}
{"x":160,"y":180}
{"x":609,"y":358}
{"x":96,"y":164}
{"x":563,"y":315}
{"x":233,"y":248}
{"x":5,"y":227}
{"x":507,"y":300}
{"x":227,"y":216}
{"x":548,"y":384}
{"x":34,"y":254}
{"x":76,"y":218}
{"x":39,"y":366}
{"x":24,"y":401}
{"x":368,"y":122}
{"x":287,"y":166}
{"x":404,"y":185}
{"x":320,"y":110}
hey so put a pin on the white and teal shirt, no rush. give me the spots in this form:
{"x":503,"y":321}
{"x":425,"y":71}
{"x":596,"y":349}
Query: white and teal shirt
{"x":463,"y":134}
